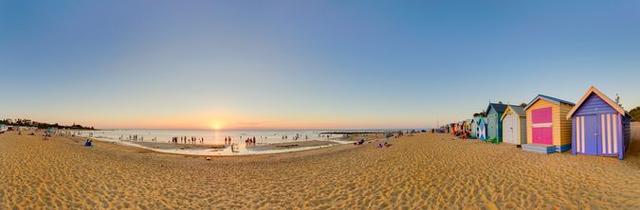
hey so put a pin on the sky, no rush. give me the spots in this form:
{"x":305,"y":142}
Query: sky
{"x":306,"y":64}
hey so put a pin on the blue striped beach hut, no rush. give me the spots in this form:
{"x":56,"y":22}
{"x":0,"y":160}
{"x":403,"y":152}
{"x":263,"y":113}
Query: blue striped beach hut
{"x":600,"y":126}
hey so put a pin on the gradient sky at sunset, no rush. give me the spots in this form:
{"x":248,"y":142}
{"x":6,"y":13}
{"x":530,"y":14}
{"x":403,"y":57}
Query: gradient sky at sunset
{"x":306,"y":64}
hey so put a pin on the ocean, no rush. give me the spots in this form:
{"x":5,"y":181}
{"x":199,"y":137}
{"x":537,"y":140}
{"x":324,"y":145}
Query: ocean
{"x":211,"y":136}
{"x":149,"y":139}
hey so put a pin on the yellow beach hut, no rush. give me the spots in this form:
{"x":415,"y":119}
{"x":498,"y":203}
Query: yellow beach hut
{"x":548,"y":129}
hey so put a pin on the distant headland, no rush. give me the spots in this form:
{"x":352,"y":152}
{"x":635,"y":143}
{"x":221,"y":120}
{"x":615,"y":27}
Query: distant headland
{"x":41,"y":125}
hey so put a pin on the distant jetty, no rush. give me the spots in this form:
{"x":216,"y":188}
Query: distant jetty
{"x":353,"y":132}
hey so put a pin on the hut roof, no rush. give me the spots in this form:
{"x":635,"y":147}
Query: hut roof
{"x":548,"y":98}
{"x":480,"y":115}
{"x":499,"y":107}
{"x":516,"y":109}
{"x":594,"y":90}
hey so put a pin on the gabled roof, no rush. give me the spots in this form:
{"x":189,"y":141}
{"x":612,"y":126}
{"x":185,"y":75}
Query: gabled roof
{"x":548,"y":98}
{"x":479,"y":115}
{"x":594,"y":90}
{"x":499,"y":107}
{"x":515,"y":109}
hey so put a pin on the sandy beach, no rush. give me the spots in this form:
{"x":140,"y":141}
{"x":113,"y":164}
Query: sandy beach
{"x":427,"y":171}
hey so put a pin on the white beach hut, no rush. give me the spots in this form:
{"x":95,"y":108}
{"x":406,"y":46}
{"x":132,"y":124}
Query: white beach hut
{"x":514,"y":125}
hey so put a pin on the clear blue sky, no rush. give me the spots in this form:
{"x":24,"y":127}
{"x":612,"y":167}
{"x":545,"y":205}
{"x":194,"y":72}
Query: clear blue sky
{"x":280,"y":64}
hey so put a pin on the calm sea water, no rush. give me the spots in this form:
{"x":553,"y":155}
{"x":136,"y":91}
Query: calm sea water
{"x":212,"y":136}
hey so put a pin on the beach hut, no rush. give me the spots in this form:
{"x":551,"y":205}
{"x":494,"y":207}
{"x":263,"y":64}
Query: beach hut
{"x":454,"y":128}
{"x":460,"y":128}
{"x":467,"y":126}
{"x":600,"y":126}
{"x":481,"y":127}
{"x":514,"y":129}
{"x":3,"y":128}
{"x":494,"y":124}
{"x":548,"y":129}
{"x":474,"y":125}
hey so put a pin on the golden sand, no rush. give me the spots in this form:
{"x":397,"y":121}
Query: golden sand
{"x":417,"y":172}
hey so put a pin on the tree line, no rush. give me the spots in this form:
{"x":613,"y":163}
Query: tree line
{"x":41,"y":125}
{"x":635,"y":114}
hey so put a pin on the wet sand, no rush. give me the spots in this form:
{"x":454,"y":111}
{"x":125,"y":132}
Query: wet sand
{"x":417,"y":172}
{"x":289,"y":145}
{"x":257,"y":147}
{"x":159,"y":145}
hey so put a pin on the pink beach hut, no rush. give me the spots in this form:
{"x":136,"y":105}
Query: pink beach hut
{"x":548,"y":129}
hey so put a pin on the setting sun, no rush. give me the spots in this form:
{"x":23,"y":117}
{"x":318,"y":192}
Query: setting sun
{"x":216,"y":125}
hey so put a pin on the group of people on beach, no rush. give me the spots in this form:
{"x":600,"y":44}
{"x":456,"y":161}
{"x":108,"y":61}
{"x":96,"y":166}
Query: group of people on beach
{"x":133,"y":137}
{"x":296,"y":137}
{"x":380,"y":145}
{"x":250,"y":141}
{"x":383,"y":145}
{"x":187,"y":140}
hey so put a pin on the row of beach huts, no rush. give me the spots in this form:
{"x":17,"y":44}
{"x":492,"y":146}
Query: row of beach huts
{"x":596,"y":125}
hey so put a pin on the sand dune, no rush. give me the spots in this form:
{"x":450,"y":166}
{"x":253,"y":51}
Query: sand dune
{"x":426,"y":171}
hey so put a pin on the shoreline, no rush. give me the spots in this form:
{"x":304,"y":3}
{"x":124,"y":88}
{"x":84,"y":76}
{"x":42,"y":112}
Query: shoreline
{"x":216,"y":150}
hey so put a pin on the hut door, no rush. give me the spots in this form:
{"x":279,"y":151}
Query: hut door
{"x":591,"y":135}
{"x":608,"y":134}
{"x":482,"y":130}
{"x":509,"y":129}
{"x":542,"y":126}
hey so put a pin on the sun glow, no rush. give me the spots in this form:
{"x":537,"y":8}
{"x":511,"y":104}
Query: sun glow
{"x":216,"y":125}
